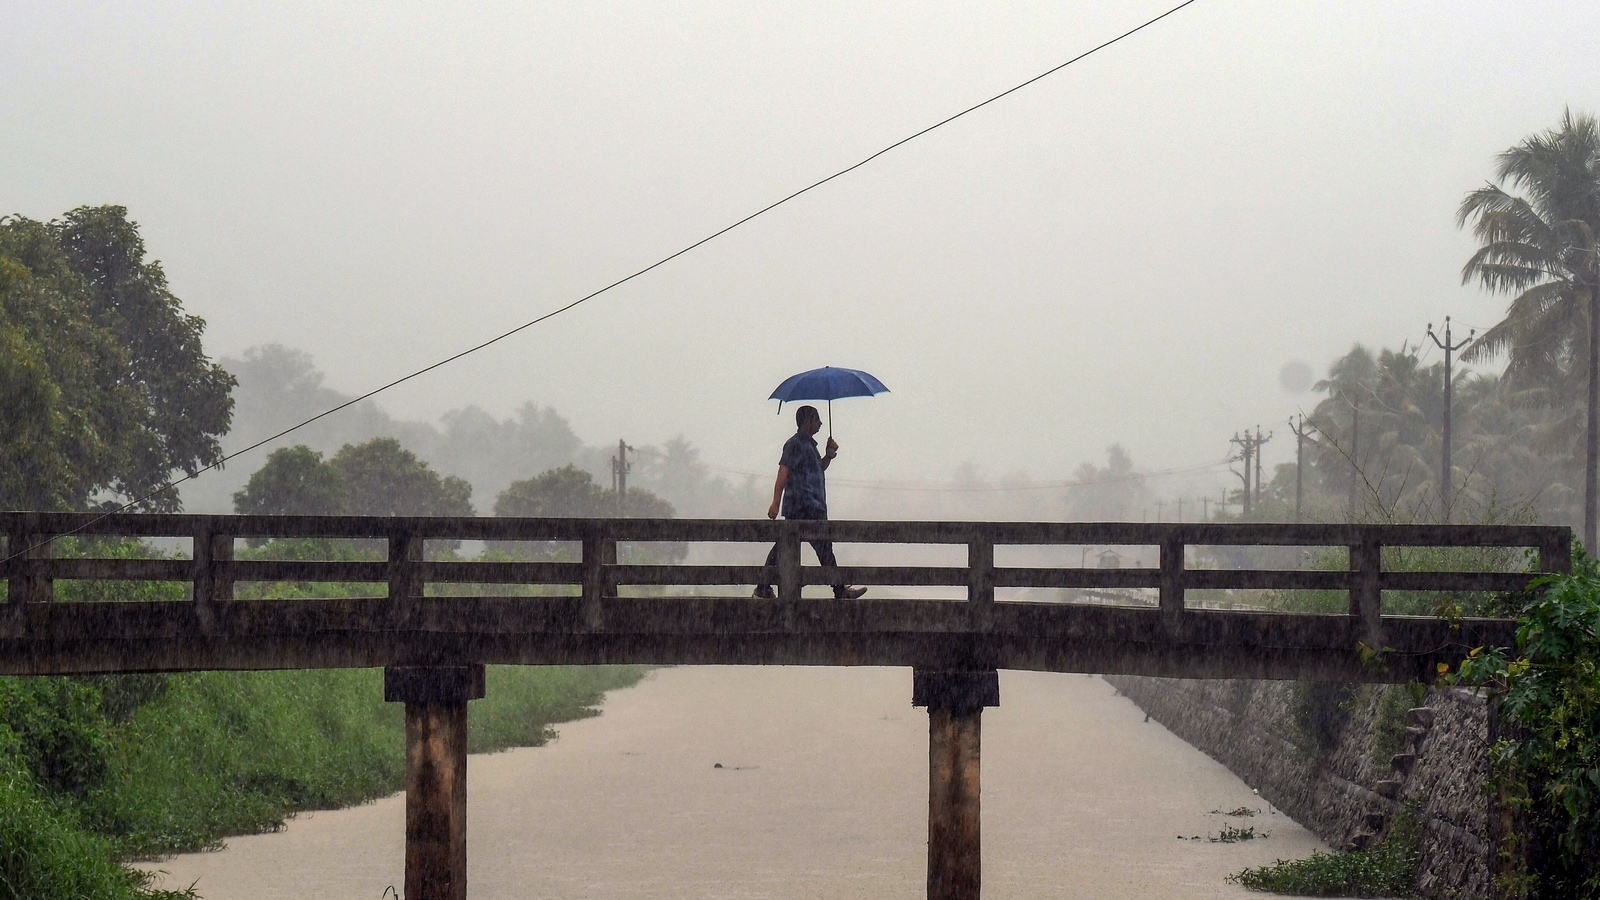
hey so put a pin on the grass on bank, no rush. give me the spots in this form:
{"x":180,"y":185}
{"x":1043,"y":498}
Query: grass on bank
{"x":1387,"y":869}
{"x":97,"y":770}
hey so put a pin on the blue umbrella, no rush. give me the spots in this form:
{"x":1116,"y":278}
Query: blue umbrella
{"x":827,"y":383}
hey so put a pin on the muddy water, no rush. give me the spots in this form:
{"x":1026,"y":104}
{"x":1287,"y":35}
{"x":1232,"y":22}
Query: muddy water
{"x":821,"y":793}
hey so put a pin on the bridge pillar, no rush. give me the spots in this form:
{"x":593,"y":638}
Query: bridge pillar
{"x":955,"y":702}
{"x":436,"y":774}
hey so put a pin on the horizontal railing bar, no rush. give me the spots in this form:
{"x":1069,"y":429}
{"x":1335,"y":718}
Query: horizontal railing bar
{"x":1455,"y":581}
{"x":1265,"y":579}
{"x":761,"y":531}
{"x":471,"y":572}
{"x":1018,"y":576}
{"x":690,"y":575}
{"x":909,"y":576}
{"x":304,"y":570}
{"x":115,"y":569}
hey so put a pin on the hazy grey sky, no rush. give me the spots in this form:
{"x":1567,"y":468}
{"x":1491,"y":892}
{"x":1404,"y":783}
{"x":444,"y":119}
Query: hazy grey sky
{"x":1128,"y":251}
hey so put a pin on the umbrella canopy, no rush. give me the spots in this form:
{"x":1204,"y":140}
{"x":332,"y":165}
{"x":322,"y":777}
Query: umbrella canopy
{"x":827,"y":383}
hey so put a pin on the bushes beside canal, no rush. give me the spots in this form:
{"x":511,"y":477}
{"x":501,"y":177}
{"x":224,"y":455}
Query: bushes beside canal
{"x":93,"y":770}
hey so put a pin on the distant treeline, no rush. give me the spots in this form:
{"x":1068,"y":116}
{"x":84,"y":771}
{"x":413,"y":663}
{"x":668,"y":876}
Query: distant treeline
{"x":485,"y":455}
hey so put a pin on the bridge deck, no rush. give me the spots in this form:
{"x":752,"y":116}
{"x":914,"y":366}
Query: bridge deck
{"x":407,"y":627}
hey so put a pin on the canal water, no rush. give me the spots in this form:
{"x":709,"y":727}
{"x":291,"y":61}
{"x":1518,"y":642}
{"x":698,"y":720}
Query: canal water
{"x":788,"y":782}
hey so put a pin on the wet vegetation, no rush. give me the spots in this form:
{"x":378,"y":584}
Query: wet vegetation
{"x":93,"y":770}
{"x":1388,"y":869}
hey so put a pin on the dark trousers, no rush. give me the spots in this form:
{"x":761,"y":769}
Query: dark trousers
{"x":824,"y":550}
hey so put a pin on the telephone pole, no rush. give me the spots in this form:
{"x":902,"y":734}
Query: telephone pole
{"x":1446,"y":495}
{"x":1250,"y":452}
{"x":1245,"y":448}
{"x":1300,"y":432}
{"x":1259,"y":441}
{"x":620,"y":466}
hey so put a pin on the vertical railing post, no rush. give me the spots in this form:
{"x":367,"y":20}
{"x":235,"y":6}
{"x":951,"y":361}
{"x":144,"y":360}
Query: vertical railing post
{"x":436,"y":774}
{"x":405,"y":576}
{"x":212,"y":553}
{"x":955,"y":702}
{"x":788,"y":562}
{"x":1366,"y":589}
{"x":209,"y":576}
{"x":599,"y":553}
{"x":1170,"y":597}
{"x":1555,"y":554}
{"x":23,"y":582}
{"x":11,"y":565}
{"x":980,"y":581}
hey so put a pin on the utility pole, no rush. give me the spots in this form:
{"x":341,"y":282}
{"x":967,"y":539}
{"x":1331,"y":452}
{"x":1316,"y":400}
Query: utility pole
{"x":1259,"y":441}
{"x":1205,"y":509}
{"x":1300,"y":432}
{"x":619,"y":476}
{"x":1180,"y":510}
{"x":1446,"y":495}
{"x":1245,"y":449}
{"x":1250,"y":451}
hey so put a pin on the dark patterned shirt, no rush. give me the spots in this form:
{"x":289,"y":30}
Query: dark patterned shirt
{"x":805,"y":494}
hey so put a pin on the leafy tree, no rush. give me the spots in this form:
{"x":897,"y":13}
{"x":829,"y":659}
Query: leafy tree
{"x":294,"y":481}
{"x":1542,"y":248}
{"x":107,"y":386}
{"x":1508,"y":447}
{"x":384,"y":479}
{"x":570,"y":492}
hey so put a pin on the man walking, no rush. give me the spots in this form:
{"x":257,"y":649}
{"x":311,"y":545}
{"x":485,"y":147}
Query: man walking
{"x":803,"y":491}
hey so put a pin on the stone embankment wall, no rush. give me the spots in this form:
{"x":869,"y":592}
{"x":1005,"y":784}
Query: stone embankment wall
{"x":1345,"y":762}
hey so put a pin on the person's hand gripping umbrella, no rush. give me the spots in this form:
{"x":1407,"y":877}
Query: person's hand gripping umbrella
{"x":827,"y":383}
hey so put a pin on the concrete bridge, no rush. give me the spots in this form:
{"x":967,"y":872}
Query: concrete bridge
{"x":433,"y":645}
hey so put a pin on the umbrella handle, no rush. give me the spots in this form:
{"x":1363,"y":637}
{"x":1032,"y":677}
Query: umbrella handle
{"x":830,"y":418}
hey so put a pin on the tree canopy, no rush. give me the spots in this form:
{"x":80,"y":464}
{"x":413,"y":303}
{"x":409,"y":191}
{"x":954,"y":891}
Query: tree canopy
{"x":570,"y":492}
{"x":105,"y":388}
{"x":375,"y":478}
{"x":293,"y":481}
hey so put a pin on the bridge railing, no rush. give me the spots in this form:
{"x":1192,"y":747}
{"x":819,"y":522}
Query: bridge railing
{"x":31,"y":568}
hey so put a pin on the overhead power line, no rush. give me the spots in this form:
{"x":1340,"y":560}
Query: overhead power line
{"x":960,"y":487}
{"x":649,"y":268}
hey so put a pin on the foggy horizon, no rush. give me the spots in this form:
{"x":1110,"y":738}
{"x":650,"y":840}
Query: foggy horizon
{"x":1126,"y":252}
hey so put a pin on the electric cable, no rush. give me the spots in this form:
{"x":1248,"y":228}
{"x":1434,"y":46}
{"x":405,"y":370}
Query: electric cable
{"x":958,"y":487}
{"x":14,"y":552}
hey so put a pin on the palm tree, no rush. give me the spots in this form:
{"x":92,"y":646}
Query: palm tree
{"x":1541,"y":247}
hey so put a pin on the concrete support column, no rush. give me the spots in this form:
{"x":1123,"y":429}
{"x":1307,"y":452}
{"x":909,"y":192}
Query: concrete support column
{"x":436,"y":774}
{"x":955,"y":702}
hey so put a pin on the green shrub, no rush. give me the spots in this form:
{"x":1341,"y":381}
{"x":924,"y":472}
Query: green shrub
{"x":1388,"y":869}
{"x":61,"y":736}
{"x":44,"y":855}
{"x":1546,"y":764}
